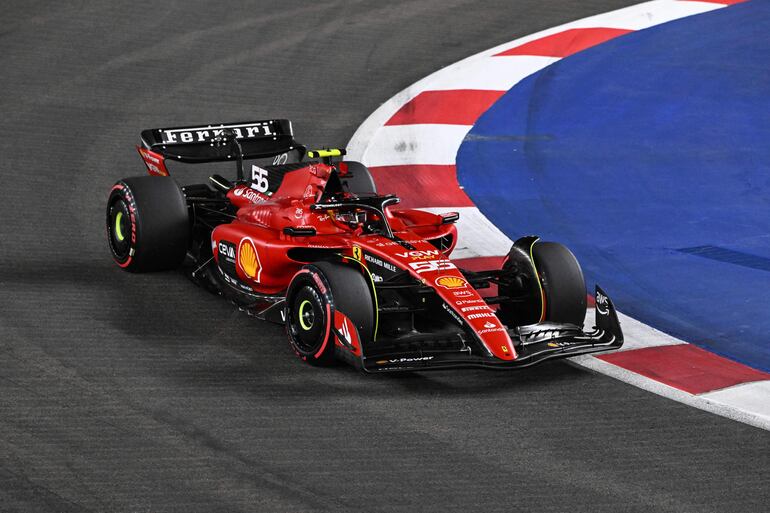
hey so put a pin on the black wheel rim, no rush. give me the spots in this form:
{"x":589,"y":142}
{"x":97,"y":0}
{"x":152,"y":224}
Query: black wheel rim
{"x":308,"y":320}
{"x":119,"y":229}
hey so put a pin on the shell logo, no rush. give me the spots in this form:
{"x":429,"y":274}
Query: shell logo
{"x":248,"y":259}
{"x":451,"y":282}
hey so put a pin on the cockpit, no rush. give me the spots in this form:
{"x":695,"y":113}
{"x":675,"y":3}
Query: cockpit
{"x":367,"y":213}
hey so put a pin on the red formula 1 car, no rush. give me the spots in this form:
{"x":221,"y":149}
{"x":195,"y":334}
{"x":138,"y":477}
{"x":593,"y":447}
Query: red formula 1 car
{"x":310,"y":243}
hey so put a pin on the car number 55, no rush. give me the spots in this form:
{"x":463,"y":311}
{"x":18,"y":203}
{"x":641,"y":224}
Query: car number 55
{"x":432,"y":265}
{"x":259,"y":177}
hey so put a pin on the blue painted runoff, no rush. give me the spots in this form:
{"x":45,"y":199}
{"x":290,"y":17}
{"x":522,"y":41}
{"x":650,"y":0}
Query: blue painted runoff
{"x":648,"y":156}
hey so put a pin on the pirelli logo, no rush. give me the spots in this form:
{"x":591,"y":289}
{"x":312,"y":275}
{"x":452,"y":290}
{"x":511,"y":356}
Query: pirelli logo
{"x":208,"y":133}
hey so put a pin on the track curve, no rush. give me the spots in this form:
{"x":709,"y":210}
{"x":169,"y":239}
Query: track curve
{"x":134,"y":393}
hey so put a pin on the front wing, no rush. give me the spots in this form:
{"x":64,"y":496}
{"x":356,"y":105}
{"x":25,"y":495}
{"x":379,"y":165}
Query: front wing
{"x":534,"y":344}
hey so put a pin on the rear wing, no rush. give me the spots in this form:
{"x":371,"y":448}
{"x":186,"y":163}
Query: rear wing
{"x":196,"y":144}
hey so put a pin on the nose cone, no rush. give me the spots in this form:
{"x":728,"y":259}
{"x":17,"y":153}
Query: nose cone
{"x":490,"y":330}
{"x":464,"y":300}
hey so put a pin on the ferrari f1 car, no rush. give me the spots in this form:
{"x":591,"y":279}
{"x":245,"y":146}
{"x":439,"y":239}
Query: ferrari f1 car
{"x":303,"y":238}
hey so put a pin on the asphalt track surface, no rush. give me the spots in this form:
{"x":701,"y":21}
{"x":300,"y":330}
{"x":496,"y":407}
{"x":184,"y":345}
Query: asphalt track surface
{"x":143,"y":393}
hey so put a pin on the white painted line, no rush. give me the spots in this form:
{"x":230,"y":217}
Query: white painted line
{"x":493,"y":74}
{"x":413,"y":144}
{"x":751,"y":397}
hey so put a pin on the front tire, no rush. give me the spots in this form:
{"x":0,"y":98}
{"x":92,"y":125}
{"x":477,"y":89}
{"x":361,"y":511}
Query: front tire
{"x":315,"y":294}
{"x":563,"y":283}
{"x":555,"y":293}
{"x":148,"y":226}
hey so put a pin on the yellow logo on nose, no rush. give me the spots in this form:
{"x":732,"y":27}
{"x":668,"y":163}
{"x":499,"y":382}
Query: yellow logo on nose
{"x":357,"y":253}
{"x":451,"y":282}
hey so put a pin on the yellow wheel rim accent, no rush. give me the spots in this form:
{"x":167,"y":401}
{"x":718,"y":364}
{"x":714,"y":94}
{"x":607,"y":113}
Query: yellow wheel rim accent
{"x":374,"y":294}
{"x":118,"y":231}
{"x":302,"y":306}
{"x":540,"y":285}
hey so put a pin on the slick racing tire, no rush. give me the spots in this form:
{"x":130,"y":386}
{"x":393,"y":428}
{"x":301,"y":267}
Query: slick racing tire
{"x":563,"y":283}
{"x":360,"y":180}
{"x":148,"y":226}
{"x":316,"y":292}
{"x":556,"y":294}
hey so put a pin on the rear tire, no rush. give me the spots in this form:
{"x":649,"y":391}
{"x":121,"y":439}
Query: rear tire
{"x":316,"y":292}
{"x":563,"y":283}
{"x":360,"y":180}
{"x":148,"y":226}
